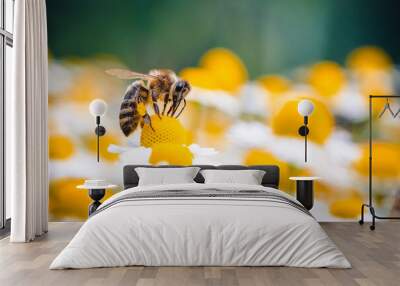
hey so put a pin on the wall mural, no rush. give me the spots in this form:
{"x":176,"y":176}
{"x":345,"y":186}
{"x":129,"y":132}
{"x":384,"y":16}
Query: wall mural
{"x":223,"y":112}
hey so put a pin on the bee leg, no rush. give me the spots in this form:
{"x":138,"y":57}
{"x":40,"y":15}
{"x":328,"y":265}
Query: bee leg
{"x":183,"y":107}
{"x":171,"y":108}
{"x":155,"y":105}
{"x":165,"y":104}
{"x":147,"y":120}
{"x":177,"y":106}
{"x":156,"y":110}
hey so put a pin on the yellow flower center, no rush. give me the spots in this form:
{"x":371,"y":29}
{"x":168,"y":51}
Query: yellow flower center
{"x":369,"y":59}
{"x":286,"y":120}
{"x":346,"y":207}
{"x":385,"y":160}
{"x":61,"y":147}
{"x":227,"y":68}
{"x":85,"y":88}
{"x":166,"y":130}
{"x":219,"y":68}
{"x":170,"y":153}
{"x":67,"y":202}
{"x":200,"y":77}
{"x":275,"y":84}
{"x":327,"y":78}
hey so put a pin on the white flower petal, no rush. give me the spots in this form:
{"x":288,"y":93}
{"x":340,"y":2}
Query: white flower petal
{"x":198,"y":151}
{"x":326,"y":161}
{"x":112,"y":148}
{"x":218,"y":99}
{"x":351,"y":104}
{"x":137,"y":156}
{"x":60,"y":78}
{"x":253,"y":100}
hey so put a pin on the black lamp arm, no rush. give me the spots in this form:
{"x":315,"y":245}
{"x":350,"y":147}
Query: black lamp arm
{"x":303,"y":131}
{"x":99,"y":131}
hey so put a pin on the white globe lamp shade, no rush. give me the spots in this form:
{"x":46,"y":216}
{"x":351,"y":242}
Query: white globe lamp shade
{"x":98,"y":107}
{"x":305,"y":107}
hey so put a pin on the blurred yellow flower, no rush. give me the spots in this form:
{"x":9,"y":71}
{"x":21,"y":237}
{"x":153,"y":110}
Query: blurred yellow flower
{"x":85,"y":88}
{"x":385,"y":160}
{"x":91,"y":144}
{"x":166,"y":130}
{"x":61,"y":147}
{"x":257,"y":156}
{"x":66,"y":201}
{"x":216,"y":124}
{"x":349,"y":207}
{"x":323,"y":191}
{"x":275,"y":84}
{"x":215,"y":127}
{"x":219,"y":68}
{"x":368,"y":59}
{"x":226,"y":66}
{"x":376,"y":83}
{"x":327,"y":78}
{"x":173,"y":154}
{"x":189,"y":137}
{"x":286,"y":120}
{"x":200,"y":77}
{"x":212,"y":128}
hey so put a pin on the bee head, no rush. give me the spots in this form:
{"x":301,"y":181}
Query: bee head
{"x":177,"y":94}
{"x":182,"y":88}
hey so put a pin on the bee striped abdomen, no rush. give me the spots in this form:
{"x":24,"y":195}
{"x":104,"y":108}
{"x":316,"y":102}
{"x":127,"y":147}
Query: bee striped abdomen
{"x":129,"y":116}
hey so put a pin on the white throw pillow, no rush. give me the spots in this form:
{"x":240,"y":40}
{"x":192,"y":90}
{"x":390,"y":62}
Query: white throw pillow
{"x":166,"y":176}
{"x":247,"y":177}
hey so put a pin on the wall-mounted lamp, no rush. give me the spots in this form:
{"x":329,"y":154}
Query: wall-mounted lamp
{"x":98,"y":108}
{"x":305,"y":108}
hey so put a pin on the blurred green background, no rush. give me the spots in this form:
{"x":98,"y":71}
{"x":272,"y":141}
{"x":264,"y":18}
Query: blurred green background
{"x":270,"y":36}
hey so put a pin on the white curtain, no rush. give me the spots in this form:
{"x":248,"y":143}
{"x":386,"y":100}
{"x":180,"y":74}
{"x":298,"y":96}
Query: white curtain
{"x":26,"y":119}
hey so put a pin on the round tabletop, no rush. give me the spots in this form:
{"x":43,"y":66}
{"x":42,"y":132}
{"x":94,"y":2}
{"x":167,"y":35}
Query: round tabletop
{"x":90,"y":187}
{"x":304,"y":178}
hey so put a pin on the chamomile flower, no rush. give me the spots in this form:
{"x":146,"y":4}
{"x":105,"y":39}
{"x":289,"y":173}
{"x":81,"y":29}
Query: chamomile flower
{"x":332,"y":164}
{"x":165,"y":143}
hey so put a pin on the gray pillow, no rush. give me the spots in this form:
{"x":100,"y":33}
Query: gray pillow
{"x":247,"y":177}
{"x":166,"y":176}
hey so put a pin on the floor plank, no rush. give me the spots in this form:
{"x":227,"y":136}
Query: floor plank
{"x":374,"y":255}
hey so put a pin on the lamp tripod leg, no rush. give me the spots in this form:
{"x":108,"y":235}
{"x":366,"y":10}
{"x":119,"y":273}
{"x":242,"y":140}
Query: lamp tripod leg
{"x":361,"y":221}
{"x":372,"y":211}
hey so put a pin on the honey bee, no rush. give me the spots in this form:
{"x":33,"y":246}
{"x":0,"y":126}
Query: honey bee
{"x":158,"y":85}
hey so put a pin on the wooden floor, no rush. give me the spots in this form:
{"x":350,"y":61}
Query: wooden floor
{"x":375,"y":257}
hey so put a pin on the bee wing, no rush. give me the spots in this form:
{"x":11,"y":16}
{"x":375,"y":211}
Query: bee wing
{"x":127,"y":74}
